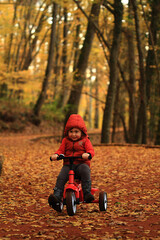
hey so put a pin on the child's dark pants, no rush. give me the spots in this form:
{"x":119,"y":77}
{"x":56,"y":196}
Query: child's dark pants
{"x":82,"y":172}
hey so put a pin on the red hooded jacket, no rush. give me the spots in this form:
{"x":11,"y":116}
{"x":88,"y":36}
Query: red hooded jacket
{"x":76,"y":148}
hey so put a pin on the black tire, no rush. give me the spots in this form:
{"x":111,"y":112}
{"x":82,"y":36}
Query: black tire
{"x":103,"y":201}
{"x":56,"y":206}
{"x":71,"y":203}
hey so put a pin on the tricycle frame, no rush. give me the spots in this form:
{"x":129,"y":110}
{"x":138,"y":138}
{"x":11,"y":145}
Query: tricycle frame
{"x":73,"y":193}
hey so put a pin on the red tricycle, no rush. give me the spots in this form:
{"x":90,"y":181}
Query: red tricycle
{"x":73,"y":193}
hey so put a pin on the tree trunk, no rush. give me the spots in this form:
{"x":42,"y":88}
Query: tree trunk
{"x":152,"y":73}
{"x":132,"y":79}
{"x":32,"y":43}
{"x":152,"y":57}
{"x":8,"y":58}
{"x":64,"y":90}
{"x":157,"y":141}
{"x":23,"y":39}
{"x":96,"y":119}
{"x":90,"y":103}
{"x":142,"y":118}
{"x":79,"y":75}
{"x":57,"y":56}
{"x":76,"y":45}
{"x":116,"y":111}
{"x":130,"y":85}
{"x":1,"y":163}
{"x":110,"y":98}
{"x":42,"y":95}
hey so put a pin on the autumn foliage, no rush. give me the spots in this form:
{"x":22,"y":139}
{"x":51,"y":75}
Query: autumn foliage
{"x":129,"y":175}
{"x":96,"y":58}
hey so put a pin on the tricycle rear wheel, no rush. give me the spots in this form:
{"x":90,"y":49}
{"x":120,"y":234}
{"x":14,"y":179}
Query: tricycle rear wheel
{"x":71,"y":203}
{"x":103,"y":201}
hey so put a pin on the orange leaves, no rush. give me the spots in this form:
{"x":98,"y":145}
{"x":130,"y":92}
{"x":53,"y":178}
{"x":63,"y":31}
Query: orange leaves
{"x":129,"y":175}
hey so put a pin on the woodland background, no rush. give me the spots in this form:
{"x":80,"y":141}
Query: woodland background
{"x":99,"y":59}
{"x":96,"y":58}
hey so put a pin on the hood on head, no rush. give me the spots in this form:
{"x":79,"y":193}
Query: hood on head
{"x":75,"y":121}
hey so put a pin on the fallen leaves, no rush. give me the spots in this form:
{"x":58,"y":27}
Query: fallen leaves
{"x":129,"y":175}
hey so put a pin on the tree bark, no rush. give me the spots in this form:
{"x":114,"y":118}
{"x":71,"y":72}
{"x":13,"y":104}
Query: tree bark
{"x":42,"y":95}
{"x":110,"y":98}
{"x":141,"y":136}
{"x":23,"y":39}
{"x":116,"y":111}
{"x":28,"y":58}
{"x":8,"y":58}
{"x":157,"y":141}
{"x":96,"y":118}
{"x":57,"y":56}
{"x":79,"y":75}
{"x":76,"y":45}
{"x":1,"y":163}
{"x":152,"y":73}
{"x":130,"y":85}
{"x":64,"y":90}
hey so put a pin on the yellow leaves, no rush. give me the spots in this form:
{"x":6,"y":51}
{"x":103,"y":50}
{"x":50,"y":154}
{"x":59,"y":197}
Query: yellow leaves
{"x":122,"y":223}
{"x":76,"y":224}
{"x":86,"y":229}
{"x":92,"y":236}
{"x":128,"y":175}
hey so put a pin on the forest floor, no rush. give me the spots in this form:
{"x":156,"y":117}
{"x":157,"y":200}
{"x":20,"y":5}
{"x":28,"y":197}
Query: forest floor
{"x":129,"y":175}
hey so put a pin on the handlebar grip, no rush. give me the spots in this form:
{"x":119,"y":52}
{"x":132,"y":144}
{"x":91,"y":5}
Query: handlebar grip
{"x":60,"y":157}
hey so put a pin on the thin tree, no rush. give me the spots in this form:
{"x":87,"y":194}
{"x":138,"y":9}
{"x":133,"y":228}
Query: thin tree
{"x":157,"y":141}
{"x":8,"y":54}
{"x":141,"y":131}
{"x":132,"y":80}
{"x":57,"y":55}
{"x":28,"y":54}
{"x":96,"y":117}
{"x":49,"y":67}
{"x":130,"y":84}
{"x":110,"y":97}
{"x":153,"y":73}
{"x":64,"y":90}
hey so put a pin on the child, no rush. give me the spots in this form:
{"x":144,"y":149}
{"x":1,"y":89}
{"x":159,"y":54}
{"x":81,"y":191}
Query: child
{"x":74,"y":143}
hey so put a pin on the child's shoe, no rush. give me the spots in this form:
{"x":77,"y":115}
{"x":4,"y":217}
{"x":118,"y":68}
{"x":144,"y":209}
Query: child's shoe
{"x":51,"y":201}
{"x":57,"y":195}
{"x":55,"y":198}
{"x":88,"y":197}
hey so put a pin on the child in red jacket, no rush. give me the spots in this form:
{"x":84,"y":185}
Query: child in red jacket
{"x":74,"y":143}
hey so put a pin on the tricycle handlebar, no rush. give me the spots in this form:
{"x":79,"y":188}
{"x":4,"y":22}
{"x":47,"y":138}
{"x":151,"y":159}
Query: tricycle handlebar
{"x":61,"y":156}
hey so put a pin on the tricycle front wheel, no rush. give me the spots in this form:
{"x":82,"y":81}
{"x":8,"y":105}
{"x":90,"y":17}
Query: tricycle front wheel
{"x":71,"y":203}
{"x":103,"y":201}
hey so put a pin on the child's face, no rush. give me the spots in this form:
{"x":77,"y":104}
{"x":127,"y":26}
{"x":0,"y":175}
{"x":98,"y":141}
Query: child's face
{"x":74,"y":134}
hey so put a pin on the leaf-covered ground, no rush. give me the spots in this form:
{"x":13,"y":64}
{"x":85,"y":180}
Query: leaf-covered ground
{"x":130,"y":176}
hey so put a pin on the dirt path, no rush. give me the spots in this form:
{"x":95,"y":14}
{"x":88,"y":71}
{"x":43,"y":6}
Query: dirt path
{"x":130,"y":176}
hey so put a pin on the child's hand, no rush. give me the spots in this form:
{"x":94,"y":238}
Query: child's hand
{"x":54,"y":157}
{"x":85,"y":156}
